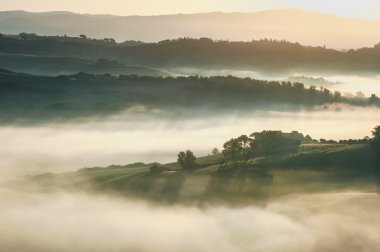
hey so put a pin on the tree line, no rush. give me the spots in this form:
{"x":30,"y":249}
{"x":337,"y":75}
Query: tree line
{"x":246,"y":90}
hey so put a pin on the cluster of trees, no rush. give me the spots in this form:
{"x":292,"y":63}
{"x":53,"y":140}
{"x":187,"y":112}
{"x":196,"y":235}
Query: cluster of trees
{"x":268,"y":142}
{"x":187,"y":160}
{"x":264,"y":142}
{"x":243,"y":147}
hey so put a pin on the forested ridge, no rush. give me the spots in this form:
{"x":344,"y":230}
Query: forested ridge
{"x":263,"y":55}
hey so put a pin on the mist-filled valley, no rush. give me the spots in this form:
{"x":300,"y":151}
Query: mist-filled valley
{"x":129,"y":138}
{"x":203,"y":132}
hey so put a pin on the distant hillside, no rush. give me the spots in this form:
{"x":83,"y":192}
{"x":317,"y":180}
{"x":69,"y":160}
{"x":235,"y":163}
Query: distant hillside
{"x":60,"y":65}
{"x":260,"y":55}
{"x":28,"y":99}
{"x":294,"y":25}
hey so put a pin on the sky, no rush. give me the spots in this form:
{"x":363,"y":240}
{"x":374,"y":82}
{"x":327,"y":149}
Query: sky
{"x":368,"y":9}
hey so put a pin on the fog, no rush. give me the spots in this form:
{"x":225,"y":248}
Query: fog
{"x":67,"y":147}
{"x":78,"y":222}
{"x":348,"y":83}
{"x":353,"y":84}
{"x":74,"y":221}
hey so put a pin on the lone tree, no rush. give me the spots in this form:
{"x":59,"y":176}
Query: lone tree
{"x":375,"y":144}
{"x":376,"y":139}
{"x":374,"y":100}
{"x":215,"y":151}
{"x":187,"y":160}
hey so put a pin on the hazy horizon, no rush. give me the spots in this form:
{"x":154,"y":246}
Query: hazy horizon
{"x":309,"y":28}
{"x":191,"y":13}
{"x":367,"y":9}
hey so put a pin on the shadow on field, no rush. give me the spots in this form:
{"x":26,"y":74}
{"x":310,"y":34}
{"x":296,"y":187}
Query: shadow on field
{"x":239,"y":182}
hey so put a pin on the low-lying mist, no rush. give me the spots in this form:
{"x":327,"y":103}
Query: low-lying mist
{"x":365,"y":83}
{"x":122,"y":140}
{"x":339,"y":222}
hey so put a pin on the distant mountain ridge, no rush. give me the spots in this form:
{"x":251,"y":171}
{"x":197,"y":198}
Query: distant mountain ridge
{"x":293,"y":25}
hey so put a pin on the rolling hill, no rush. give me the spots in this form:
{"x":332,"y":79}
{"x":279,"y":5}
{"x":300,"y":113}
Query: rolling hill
{"x":313,"y":168}
{"x":293,"y":25}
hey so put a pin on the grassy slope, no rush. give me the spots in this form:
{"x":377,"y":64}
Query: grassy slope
{"x":312,"y":168}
